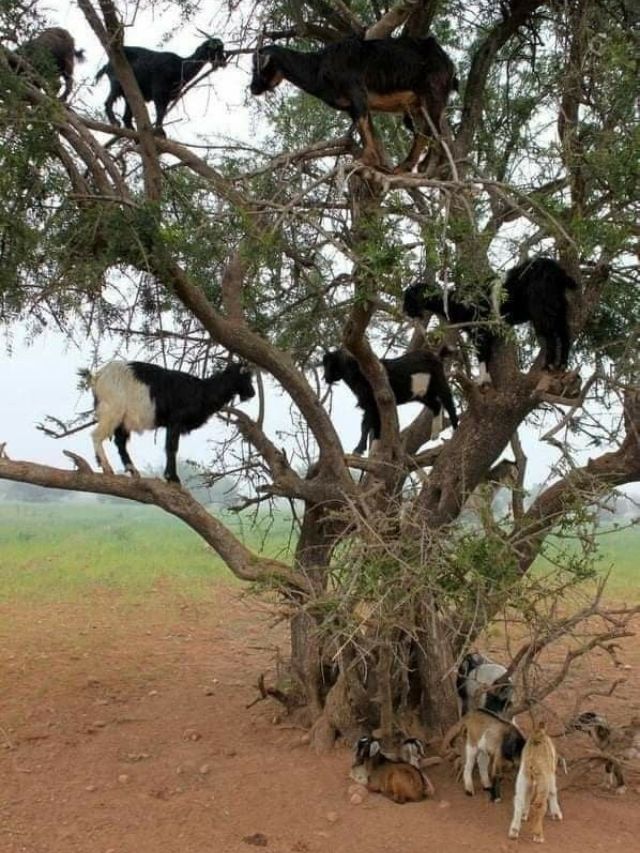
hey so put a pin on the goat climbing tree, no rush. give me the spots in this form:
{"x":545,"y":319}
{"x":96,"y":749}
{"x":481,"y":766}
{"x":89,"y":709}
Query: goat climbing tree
{"x":272,"y":253}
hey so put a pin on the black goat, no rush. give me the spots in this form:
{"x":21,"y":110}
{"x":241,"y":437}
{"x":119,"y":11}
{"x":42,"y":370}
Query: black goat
{"x":412,"y":76}
{"x":52,"y":53}
{"x":414,"y":377}
{"x":160,"y":75}
{"x":534,"y":291}
{"x":135,"y":396}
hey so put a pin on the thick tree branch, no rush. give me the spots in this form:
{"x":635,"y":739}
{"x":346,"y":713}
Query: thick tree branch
{"x":172,"y":499}
{"x":580,"y":486}
{"x":516,"y":13}
{"x":394,"y":18}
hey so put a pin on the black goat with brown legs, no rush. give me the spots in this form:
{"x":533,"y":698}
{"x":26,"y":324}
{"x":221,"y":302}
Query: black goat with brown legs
{"x":51,"y":53}
{"x":161,"y":77}
{"x":534,"y":292}
{"x":412,"y":76}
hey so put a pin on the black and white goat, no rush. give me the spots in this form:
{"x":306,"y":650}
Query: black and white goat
{"x":483,"y":683}
{"x":135,"y":396}
{"x":51,"y":52}
{"x":534,"y":292}
{"x":412,"y":76}
{"x":160,"y":75}
{"x":414,"y":377}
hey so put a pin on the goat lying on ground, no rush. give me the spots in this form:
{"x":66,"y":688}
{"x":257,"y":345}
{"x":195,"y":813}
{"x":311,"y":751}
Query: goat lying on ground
{"x":160,"y":75}
{"x":482,"y":683}
{"x":398,"y":780}
{"x":620,"y":744}
{"x":52,"y":53}
{"x":414,"y":377}
{"x":536,"y":785}
{"x":412,"y":751}
{"x":489,"y":740}
{"x":534,"y":291}
{"x":135,"y":396}
{"x":412,"y":76}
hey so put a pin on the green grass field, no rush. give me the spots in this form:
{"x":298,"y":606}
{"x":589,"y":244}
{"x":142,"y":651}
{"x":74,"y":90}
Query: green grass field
{"x":58,"y":551}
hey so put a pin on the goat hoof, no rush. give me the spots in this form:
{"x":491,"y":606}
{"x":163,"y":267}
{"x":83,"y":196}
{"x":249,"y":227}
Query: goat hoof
{"x":469,"y":793}
{"x":538,"y":839}
{"x":514,"y":833}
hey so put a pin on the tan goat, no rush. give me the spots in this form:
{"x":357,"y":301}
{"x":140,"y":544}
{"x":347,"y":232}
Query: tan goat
{"x":536,"y":785}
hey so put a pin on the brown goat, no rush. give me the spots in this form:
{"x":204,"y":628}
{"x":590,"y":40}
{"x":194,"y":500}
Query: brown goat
{"x":397,"y":780}
{"x":488,"y":740}
{"x":52,"y":50}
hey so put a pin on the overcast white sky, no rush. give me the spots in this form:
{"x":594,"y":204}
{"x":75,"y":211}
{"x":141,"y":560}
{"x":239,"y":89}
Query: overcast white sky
{"x":39,"y":378}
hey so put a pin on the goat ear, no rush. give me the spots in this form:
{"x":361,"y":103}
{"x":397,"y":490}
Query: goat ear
{"x":374,"y":749}
{"x":263,"y":61}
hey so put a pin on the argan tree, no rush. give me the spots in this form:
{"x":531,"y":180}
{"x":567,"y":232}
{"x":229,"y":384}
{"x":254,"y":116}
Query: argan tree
{"x":275,"y":252}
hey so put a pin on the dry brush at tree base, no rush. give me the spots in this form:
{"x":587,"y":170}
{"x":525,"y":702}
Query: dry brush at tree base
{"x":386,"y":589}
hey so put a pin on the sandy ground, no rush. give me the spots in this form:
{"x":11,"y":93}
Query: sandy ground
{"x":124,"y":729}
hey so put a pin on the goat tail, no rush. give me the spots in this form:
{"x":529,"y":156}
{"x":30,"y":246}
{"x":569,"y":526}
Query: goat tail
{"x":79,"y":55}
{"x":101,"y":72}
{"x":456,"y":729}
{"x":86,"y":379}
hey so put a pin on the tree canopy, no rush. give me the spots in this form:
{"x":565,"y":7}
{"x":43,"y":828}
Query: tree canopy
{"x":278,"y":249}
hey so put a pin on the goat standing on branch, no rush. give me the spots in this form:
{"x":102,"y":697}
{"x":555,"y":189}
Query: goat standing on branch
{"x":417,"y":377}
{"x":412,"y":76}
{"x":534,"y":292}
{"x":161,"y":77}
{"x":135,"y":396}
{"x":52,"y":53}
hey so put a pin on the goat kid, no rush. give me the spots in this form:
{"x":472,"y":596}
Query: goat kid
{"x":534,"y":291}
{"x":135,"y":396}
{"x":412,"y":76}
{"x":398,"y":780}
{"x":161,"y":77}
{"x":414,"y":377}
{"x":52,"y":53}
{"x":622,"y":743}
{"x":412,"y":751}
{"x":536,"y":785}
{"x":488,"y":740}
{"x":483,"y":683}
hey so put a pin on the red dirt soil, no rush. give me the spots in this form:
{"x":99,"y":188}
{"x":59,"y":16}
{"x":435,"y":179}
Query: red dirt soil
{"x":124,"y":729}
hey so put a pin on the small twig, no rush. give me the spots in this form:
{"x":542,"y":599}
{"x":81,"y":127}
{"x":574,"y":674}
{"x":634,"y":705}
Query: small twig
{"x":65,"y":432}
